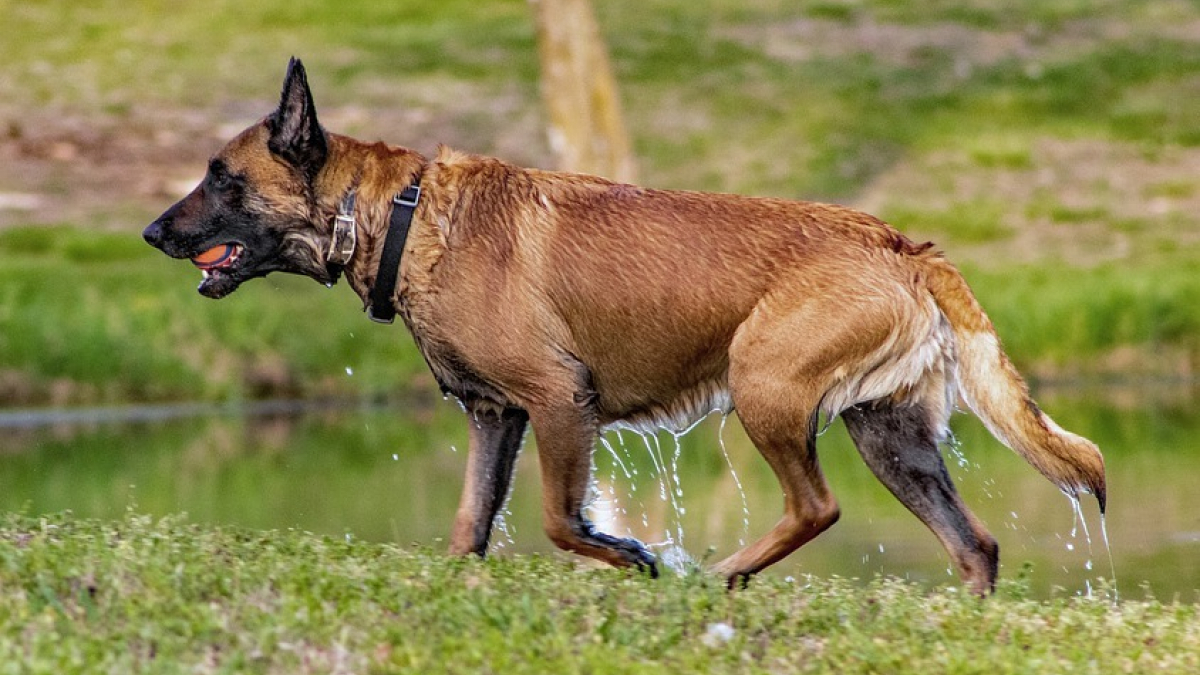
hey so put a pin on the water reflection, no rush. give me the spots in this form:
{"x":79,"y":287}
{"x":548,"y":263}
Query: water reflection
{"x":394,"y":475}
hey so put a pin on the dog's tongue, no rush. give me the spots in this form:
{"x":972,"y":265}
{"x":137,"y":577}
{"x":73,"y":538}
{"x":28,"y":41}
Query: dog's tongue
{"x":214,"y":257}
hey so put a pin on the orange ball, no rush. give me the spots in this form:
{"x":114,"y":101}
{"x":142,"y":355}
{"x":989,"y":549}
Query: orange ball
{"x":214,"y":256}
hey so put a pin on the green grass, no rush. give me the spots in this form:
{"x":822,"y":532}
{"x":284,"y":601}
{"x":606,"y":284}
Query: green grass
{"x":1072,"y":316}
{"x":163,"y":596}
{"x":963,"y":222}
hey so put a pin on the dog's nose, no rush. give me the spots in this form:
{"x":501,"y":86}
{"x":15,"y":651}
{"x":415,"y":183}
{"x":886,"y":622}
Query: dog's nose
{"x":153,"y":233}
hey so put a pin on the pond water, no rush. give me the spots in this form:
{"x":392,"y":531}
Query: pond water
{"x":394,"y":474}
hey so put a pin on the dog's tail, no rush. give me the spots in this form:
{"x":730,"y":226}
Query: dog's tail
{"x":995,"y":392}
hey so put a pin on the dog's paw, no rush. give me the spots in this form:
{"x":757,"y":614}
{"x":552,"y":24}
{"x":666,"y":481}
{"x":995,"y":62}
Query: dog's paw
{"x":644,"y":560}
{"x":632,"y":552}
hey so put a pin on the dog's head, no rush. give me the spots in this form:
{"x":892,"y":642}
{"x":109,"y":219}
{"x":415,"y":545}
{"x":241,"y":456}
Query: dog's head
{"x":256,"y":212}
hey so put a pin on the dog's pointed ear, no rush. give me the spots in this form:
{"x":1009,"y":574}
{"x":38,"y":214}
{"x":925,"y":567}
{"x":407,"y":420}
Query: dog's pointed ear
{"x":296,"y":135}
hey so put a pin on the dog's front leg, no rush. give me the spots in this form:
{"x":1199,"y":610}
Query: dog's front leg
{"x":495,"y":440}
{"x":566,"y":435}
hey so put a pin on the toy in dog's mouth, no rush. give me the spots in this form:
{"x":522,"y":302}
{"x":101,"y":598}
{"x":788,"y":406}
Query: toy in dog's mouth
{"x":218,"y":257}
{"x":216,"y":264}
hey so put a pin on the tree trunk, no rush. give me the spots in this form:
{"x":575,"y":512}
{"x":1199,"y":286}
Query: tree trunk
{"x":580,"y":94}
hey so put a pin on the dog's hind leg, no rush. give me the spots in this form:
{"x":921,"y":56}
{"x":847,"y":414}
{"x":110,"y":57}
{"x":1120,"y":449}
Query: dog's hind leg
{"x":809,"y":506}
{"x":898,"y":441}
{"x":776,"y":379}
{"x":495,"y":440}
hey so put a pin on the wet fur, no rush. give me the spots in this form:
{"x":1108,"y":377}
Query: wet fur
{"x":570,"y":303}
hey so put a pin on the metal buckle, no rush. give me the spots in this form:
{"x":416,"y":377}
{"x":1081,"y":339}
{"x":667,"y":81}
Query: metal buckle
{"x":343,"y":241}
{"x":344,"y":238}
{"x":403,"y":199}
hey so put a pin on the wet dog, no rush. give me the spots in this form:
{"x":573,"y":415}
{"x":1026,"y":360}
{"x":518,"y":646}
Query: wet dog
{"x":570,"y":303}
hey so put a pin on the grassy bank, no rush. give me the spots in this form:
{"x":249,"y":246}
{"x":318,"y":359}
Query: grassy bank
{"x":1050,"y":147}
{"x":144,"y":596}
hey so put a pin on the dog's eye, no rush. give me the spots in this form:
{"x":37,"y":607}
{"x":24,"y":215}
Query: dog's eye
{"x":220,"y":180}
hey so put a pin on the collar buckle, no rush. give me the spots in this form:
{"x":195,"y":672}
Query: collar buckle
{"x":409,"y":197}
{"x":345,"y":234}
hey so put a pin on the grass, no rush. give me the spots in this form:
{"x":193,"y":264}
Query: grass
{"x":1060,"y":314}
{"x":140,"y":595}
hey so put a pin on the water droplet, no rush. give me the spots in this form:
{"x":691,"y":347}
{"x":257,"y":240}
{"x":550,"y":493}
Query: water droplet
{"x":502,"y":525}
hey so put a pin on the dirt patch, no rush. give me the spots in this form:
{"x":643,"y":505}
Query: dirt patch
{"x":118,"y":170}
{"x":906,"y":45}
{"x":63,"y":168}
{"x":1083,"y":202}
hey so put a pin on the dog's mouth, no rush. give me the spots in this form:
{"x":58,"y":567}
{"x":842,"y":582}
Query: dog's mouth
{"x":219,"y":266}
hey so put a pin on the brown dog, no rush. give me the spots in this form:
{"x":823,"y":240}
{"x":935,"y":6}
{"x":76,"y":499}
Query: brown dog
{"x":573,"y":303}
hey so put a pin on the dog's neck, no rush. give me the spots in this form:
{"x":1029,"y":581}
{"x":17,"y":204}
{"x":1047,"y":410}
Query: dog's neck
{"x":374,"y":173}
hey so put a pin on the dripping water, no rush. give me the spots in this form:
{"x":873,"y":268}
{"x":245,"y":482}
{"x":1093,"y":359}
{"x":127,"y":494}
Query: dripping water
{"x":501,"y":524}
{"x":658,"y":469}
{"x":1079,"y":522}
{"x":673,"y":555}
{"x":736,"y":481}
{"x":616,"y":458}
{"x":605,"y":501}
{"x":954,"y":448}
{"x":1112,"y":566}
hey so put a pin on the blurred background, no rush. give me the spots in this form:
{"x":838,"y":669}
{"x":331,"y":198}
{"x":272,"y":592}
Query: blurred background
{"x":1050,"y":147}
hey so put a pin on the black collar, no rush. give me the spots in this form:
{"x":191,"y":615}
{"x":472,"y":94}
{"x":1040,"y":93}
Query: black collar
{"x":382,"y":307}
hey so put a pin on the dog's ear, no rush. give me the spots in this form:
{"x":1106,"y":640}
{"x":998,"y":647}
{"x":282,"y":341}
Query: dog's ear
{"x":296,"y":135}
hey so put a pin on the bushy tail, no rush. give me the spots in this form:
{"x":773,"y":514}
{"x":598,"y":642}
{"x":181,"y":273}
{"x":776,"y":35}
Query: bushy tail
{"x":995,"y":392}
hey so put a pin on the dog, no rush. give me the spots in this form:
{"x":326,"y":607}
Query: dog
{"x":570,"y":304}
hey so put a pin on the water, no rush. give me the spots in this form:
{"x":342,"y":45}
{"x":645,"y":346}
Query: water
{"x":390,"y":475}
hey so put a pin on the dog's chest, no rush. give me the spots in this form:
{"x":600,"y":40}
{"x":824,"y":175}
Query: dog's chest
{"x":452,"y":370}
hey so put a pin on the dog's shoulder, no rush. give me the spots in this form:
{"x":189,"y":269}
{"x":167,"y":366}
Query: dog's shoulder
{"x":472,"y":195}
{"x":450,"y":166}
